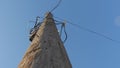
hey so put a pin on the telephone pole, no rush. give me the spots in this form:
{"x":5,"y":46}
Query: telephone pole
{"x":46,"y":49}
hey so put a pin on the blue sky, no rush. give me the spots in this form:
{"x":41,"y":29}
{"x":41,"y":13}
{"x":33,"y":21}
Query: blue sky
{"x":85,"y":49}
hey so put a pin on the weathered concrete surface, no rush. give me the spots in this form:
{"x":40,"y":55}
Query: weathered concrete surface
{"x":46,"y":49}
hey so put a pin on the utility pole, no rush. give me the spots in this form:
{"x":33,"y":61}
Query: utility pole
{"x":46,"y":49}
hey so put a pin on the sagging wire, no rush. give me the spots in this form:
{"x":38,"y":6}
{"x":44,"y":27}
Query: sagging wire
{"x":91,"y":31}
{"x":63,"y":28}
{"x":65,"y":34}
{"x":36,"y":25}
{"x":56,"y":6}
{"x":34,"y":30}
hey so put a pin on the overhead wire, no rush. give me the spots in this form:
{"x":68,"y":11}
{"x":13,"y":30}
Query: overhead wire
{"x":56,"y":6}
{"x":91,"y":31}
{"x":81,"y":27}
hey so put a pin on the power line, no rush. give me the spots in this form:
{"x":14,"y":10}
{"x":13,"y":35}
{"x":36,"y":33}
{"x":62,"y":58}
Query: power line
{"x":91,"y":31}
{"x":56,"y":6}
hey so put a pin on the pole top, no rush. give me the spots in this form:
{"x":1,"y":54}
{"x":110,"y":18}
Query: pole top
{"x":48,"y":15}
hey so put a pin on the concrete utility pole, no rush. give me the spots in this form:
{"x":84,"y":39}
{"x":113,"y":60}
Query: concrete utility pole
{"x":46,"y":49}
